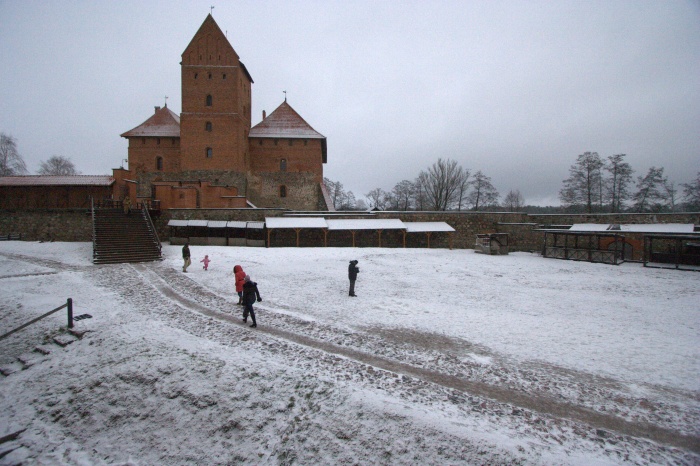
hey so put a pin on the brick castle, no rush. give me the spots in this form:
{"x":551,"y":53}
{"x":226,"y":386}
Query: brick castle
{"x":209,"y":156}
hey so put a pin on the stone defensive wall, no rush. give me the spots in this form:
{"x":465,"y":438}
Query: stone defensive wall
{"x":523,"y":229}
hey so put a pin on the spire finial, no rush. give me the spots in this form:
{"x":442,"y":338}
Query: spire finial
{"x":211,"y":10}
{"x":285,"y":95}
{"x":166,"y":101}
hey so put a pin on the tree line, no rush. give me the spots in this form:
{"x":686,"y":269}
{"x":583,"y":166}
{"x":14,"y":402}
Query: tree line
{"x":607,"y":185}
{"x":12,"y":163}
{"x":445,"y":185}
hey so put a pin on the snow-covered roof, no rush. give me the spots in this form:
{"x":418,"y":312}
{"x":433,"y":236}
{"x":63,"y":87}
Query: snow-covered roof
{"x":295,"y":222}
{"x":57,"y":180}
{"x":177,"y":223}
{"x":217,"y":224}
{"x":256,"y":225}
{"x":366,"y":224}
{"x":197,"y":223}
{"x":415,"y":227}
{"x":235,"y":224}
{"x":634,"y":227}
{"x":163,"y":123}
{"x":284,"y":122}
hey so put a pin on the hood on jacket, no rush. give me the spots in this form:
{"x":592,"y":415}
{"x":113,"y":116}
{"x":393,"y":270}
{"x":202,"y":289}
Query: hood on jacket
{"x":237,"y":268}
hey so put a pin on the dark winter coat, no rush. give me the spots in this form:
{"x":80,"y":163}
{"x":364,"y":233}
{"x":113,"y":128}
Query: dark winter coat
{"x":185,"y":252}
{"x":240,"y":278}
{"x":250,"y":292}
{"x":353,"y":270}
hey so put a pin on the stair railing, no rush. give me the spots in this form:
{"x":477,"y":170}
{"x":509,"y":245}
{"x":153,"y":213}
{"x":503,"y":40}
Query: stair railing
{"x":69,"y":305}
{"x":152,"y":227}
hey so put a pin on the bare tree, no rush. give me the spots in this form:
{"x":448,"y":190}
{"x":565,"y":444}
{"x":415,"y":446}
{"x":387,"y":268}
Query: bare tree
{"x":440,"y":184}
{"x":691,"y":193}
{"x":649,"y":195}
{"x":11,"y":163}
{"x":619,"y":181}
{"x":513,"y":201}
{"x":483,"y":193}
{"x":670,"y":194}
{"x":403,"y":195}
{"x":582,"y":187}
{"x":58,"y":165}
{"x":377,"y":198}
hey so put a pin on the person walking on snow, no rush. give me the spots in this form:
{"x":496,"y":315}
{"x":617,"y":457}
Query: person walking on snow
{"x":239,"y":275}
{"x":206,"y":262}
{"x":186,"y":257}
{"x":353,"y":270}
{"x":250,"y":294}
{"x":127,"y":205}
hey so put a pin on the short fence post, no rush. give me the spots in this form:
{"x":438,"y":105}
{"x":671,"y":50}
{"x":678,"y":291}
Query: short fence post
{"x":70,"y":312}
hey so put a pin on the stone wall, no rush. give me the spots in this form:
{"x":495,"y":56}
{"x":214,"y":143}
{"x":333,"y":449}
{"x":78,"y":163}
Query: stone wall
{"x":48,"y":224}
{"x":76,"y":225}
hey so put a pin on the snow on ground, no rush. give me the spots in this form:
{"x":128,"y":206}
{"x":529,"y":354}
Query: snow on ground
{"x":446,"y":357}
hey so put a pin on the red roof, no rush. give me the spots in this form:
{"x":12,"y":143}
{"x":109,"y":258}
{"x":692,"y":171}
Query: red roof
{"x":163,"y":123}
{"x":284,"y":122}
{"x":59,"y":180}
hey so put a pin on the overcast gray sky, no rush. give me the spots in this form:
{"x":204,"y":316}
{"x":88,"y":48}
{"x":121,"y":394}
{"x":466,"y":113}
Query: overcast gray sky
{"x":516,"y":89}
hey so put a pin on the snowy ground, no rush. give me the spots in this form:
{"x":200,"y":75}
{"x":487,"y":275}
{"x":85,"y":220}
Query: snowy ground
{"x":446,"y":357}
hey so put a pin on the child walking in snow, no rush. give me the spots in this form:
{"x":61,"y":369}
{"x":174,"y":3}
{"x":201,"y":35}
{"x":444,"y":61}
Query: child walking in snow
{"x":206,"y":262}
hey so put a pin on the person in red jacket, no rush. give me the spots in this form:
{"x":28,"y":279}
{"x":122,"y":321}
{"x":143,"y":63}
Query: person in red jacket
{"x":240,"y":280}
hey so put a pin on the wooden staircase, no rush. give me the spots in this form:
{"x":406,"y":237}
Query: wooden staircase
{"x":120,"y":238}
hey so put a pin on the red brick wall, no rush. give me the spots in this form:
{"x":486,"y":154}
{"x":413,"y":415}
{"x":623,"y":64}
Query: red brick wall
{"x":302,"y":156}
{"x":143,"y":153}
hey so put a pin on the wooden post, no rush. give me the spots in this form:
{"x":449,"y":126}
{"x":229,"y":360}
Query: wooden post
{"x":404,"y":239}
{"x":352,"y":232}
{"x":428,"y":235}
{"x":325,"y":237}
{"x":269,"y":231}
{"x":379,"y":233}
{"x":297,"y":230}
{"x":69,"y":303}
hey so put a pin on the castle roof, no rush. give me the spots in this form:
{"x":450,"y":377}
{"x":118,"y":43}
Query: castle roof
{"x":284,"y":122}
{"x":163,"y":123}
{"x":57,"y":180}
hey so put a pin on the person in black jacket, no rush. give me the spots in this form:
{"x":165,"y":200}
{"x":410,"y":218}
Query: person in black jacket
{"x":250,"y":294}
{"x":353,"y":270}
{"x":186,"y":257}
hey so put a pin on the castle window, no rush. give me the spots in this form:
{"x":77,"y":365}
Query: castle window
{"x":306,"y":141}
{"x":195,"y":76}
{"x":173,"y":141}
{"x":260,"y":142}
{"x":209,"y":152}
{"x":276,"y":141}
{"x":209,"y":100}
{"x":158,"y":141}
{"x":209,"y":75}
{"x":207,"y":126}
{"x":143,"y":140}
{"x":283,"y":165}
{"x":283,"y":191}
{"x":291,"y":141}
{"x":224,"y":75}
{"x":159,"y":163}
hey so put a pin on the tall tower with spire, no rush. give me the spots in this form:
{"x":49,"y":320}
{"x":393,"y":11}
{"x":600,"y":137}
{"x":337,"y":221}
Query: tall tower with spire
{"x":216,"y":101}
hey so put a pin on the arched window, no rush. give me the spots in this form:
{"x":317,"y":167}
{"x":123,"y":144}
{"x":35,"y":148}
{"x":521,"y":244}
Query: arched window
{"x":207,"y":126}
{"x":159,"y":163}
{"x":209,"y":100}
{"x":283,"y":165}
{"x":283,"y":191}
{"x":209,"y":152}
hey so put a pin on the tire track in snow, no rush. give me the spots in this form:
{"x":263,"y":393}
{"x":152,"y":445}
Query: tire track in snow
{"x":543,"y":405}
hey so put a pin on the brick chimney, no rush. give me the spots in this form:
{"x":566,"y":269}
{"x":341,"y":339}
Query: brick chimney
{"x":157,"y":108}
{"x":264,"y":114}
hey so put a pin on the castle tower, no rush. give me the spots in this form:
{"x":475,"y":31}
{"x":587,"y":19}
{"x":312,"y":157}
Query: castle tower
{"x":215,"y":118}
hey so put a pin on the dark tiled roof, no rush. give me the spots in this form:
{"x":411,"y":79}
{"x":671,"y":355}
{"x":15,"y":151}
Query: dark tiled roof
{"x":284,"y":122}
{"x":163,"y":123}
{"x":60,"y":180}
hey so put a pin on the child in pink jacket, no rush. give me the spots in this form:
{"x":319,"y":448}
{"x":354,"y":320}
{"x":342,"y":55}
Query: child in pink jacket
{"x":206,"y":262}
